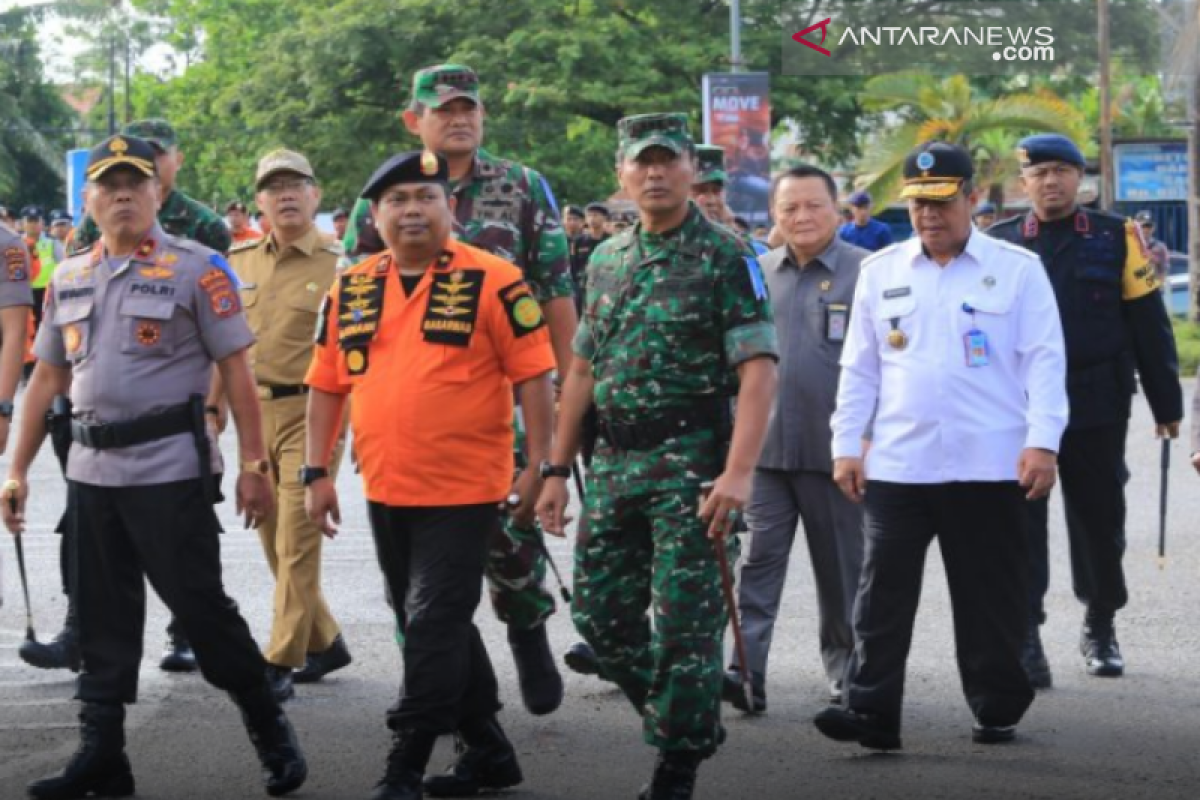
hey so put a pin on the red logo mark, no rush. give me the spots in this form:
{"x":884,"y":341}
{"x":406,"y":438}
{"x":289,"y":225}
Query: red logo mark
{"x":823,"y":25}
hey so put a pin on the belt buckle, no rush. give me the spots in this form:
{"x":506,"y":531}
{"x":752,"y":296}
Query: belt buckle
{"x":265,"y":393}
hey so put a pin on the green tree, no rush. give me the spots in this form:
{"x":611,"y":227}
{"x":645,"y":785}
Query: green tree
{"x":36,"y":121}
{"x":922,"y":108}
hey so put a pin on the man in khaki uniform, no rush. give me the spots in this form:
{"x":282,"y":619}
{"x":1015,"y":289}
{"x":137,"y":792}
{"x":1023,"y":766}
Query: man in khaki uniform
{"x":284,"y":278}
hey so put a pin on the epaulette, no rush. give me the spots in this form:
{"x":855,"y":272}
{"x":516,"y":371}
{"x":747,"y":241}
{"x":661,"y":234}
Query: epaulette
{"x":241,"y":247}
{"x":878,"y":254}
{"x":1016,"y":249}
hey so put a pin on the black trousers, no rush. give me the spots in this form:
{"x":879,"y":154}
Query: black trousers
{"x":433,"y":559}
{"x":167,"y":534}
{"x":984,"y":549}
{"x":1092,"y":474}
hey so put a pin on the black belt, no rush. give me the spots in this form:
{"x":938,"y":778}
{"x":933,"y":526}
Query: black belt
{"x":109,"y":435}
{"x":269,"y":392}
{"x":650,"y":433}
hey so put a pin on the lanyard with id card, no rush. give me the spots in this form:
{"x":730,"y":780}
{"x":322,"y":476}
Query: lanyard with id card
{"x":975,"y":343}
{"x":836,"y":317}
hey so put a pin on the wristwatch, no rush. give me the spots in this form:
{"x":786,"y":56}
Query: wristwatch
{"x":6,"y":409}
{"x":258,"y":467}
{"x":310,"y":475}
{"x":548,"y":470}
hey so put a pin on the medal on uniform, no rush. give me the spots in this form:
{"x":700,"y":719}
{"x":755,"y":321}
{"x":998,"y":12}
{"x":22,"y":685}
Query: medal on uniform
{"x":896,"y":337}
{"x":826,"y":286}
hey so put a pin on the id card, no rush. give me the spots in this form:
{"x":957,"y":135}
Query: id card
{"x":836,"y":316}
{"x":976,"y":345}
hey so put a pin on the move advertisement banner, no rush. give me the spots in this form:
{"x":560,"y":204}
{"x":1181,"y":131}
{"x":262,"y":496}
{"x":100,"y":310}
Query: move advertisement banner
{"x":737,"y":116}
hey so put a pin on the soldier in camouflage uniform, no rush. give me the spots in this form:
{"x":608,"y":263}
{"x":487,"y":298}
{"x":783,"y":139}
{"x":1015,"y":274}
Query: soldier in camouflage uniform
{"x":179,"y":215}
{"x":676,"y":324}
{"x":509,"y":210}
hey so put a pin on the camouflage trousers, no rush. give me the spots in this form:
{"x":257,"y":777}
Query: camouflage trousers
{"x":648,"y":550}
{"x":516,"y":576}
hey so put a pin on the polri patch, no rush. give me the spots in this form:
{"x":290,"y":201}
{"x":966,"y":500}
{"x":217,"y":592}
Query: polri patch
{"x":522,"y":309}
{"x":14,"y":262}
{"x":222,"y":296}
{"x":453,"y":307}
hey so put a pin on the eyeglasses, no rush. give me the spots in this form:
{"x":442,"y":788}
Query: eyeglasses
{"x":285,"y":185}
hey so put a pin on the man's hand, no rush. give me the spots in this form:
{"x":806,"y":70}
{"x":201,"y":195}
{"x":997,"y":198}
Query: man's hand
{"x":1037,"y":472}
{"x":1168,"y":431}
{"x":13,"y":496}
{"x":321,"y":504}
{"x":721,"y":504}
{"x":850,"y":475}
{"x":526,"y":486}
{"x":552,"y":507}
{"x":254,"y":499}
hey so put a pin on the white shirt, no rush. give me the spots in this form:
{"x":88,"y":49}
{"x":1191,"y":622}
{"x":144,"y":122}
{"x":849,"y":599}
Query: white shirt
{"x":939,"y":420}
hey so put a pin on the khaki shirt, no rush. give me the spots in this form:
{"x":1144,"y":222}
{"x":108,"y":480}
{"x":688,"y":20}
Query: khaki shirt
{"x":14,"y":274}
{"x":282,"y":293}
{"x":140,"y":334}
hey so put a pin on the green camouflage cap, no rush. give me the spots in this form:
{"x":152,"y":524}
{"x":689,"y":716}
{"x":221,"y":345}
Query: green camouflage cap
{"x":157,"y":132}
{"x":635,"y":134}
{"x":434,"y":86}
{"x":711,"y":160}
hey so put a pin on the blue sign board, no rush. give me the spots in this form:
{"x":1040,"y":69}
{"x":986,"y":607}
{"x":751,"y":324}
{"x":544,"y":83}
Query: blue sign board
{"x":1150,"y":171}
{"x":76,"y":175}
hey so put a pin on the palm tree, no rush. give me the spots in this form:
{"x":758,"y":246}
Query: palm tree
{"x":920,"y":108}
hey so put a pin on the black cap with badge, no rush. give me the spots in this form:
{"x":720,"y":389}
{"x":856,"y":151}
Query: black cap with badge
{"x":418,"y":166}
{"x":936,"y":171}
{"x":121,"y":151}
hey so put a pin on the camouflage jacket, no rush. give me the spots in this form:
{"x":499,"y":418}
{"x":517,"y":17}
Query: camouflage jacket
{"x":179,"y":216}
{"x":669,"y":317}
{"x":504,"y":208}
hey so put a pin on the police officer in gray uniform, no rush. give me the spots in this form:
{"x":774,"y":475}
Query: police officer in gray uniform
{"x":811,"y":281}
{"x":133,"y":329}
{"x":16,"y":298}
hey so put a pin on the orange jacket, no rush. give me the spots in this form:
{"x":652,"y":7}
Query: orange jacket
{"x":431,"y":378}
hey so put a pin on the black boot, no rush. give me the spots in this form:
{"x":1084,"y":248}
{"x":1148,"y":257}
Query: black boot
{"x":100,"y":766}
{"x":541,"y":685}
{"x":1098,"y":643}
{"x":405,"y":766}
{"x":62,"y":652}
{"x":284,"y":767}
{"x":1033,"y":659}
{"x":674,"y":776}
{"x":178,"y":655}
{"x":489,"y":762}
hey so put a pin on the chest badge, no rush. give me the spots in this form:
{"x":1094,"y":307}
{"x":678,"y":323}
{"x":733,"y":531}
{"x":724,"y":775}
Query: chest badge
{"x":897,"y":339}
{"x":826,"y":286}
{"x":149,"y":333}
{"x":72,"y":339}
{"x":989,"y":282}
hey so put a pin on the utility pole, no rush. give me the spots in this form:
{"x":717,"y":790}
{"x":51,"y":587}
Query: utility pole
{"x":735,"y":36}
{"x":1106,"y":154}
{"x":112,"y":83}
{"x":1194,"y":175}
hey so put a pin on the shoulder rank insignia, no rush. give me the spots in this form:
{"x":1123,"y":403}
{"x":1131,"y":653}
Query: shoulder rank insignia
{"x":453,"y":307}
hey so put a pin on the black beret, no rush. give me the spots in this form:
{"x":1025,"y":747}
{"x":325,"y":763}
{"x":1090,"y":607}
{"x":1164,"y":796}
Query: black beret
{"x":418,"y":166}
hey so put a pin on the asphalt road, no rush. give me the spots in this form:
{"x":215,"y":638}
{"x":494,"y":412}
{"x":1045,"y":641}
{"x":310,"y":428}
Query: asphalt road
{"x":1135,"y":737}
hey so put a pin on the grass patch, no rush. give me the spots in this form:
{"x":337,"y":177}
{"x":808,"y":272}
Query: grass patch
{"x":1187,"y":342}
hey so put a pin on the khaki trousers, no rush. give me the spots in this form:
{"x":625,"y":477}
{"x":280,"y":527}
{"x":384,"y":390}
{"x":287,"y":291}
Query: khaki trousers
{"x":302,"y":622}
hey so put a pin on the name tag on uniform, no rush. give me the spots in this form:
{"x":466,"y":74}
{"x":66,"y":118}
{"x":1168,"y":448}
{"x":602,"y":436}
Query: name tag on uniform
{"x":899,"y":291}
{"x":836,"y":316}
{"x":975,"y":343}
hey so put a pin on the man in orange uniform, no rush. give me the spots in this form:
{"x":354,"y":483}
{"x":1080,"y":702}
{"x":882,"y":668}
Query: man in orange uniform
{"x":428,"y":339}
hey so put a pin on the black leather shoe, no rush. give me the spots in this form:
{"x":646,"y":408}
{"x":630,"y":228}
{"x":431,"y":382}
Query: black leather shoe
{"x":581,"y":658}
{"x":406,"y":762}
{"x":541,"y":685}
{"x":99,"y":767}
{"x":993,"y":734}
{"x":1033,"y":659}
{"x":61,"y":652}
{"x":284,"y":768}
{"x":734,"y":693}
{"x":280,"y":679}
{"x":844,"y":725}
{"x":674,"y":776}
{"x":488,"y":763}
{"x":178,"y":655}
{"x":318,"y":665}
{"x":1098,"y":643}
